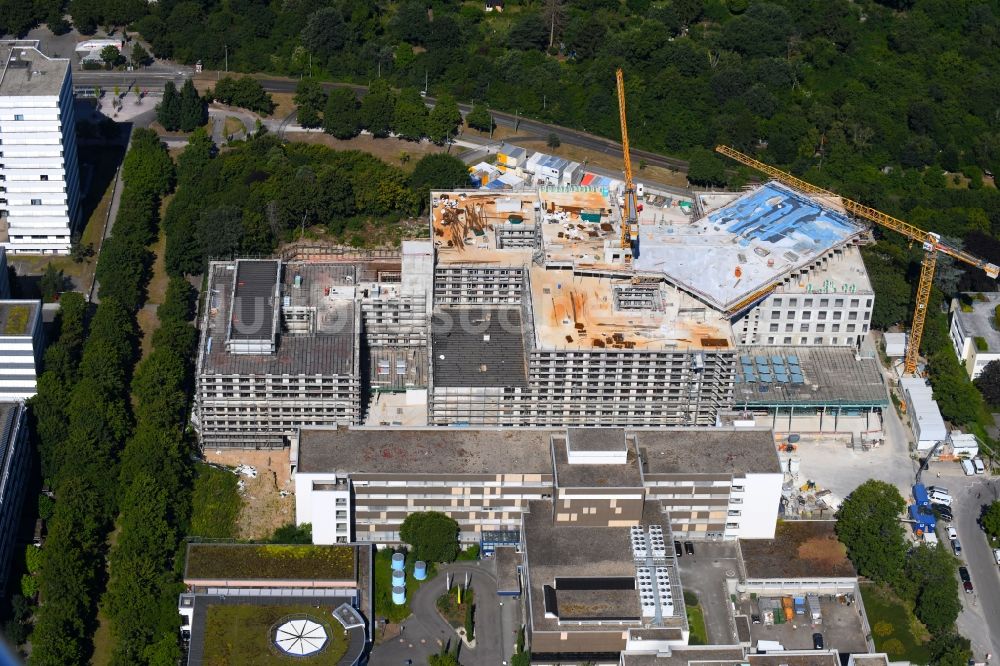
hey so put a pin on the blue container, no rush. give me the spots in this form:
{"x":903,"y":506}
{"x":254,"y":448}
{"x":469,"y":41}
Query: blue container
{"x":398,"y":578}
{"x":420,"y":570}
{"x":398,"y":562}
{"x":399,"y":595}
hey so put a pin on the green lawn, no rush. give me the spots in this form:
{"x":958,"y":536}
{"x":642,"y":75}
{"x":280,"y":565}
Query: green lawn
{"x":242,"y":635}
{"x":696,"y":619}
{"x":383,"y":586}
{"x":215,"y":504}
{"x":895,"y":630}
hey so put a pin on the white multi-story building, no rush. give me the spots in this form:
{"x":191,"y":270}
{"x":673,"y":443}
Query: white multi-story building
{"x":39,"y":176}
{"x":974,"y":332}
{"x":21,"y":347}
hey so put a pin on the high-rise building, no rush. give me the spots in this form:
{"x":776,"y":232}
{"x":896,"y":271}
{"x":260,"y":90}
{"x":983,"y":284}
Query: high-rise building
{"x":39,"y":175}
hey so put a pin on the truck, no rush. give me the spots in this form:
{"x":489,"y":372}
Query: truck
{"x":920,"y":495}
{"x":815,"y":614}
{"x":924,"y":520}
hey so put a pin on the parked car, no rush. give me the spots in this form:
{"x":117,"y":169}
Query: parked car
{"x":978,"y":464}
{"x":963,"y":573}
{"x":968,"y":467}
{"x":677,"y":549}
{"x":755,"y":619}
{"x":938,"y":489}
{"x":968,"y":587}
{"x":943,"y":512}
{"x":956,"y":546}
{"x":952,"y":534}
{"x":941,"y":498}
{"x":996,"y":555}
{"x":817,"y":641}
{"x":689,"y":548}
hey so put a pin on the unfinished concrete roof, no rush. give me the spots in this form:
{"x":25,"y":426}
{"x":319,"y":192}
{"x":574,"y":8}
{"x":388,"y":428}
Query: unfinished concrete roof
{"x":746,"y":245}
{"x":573,"y":311}
{"x":27,"y":72}
{"x":800,"y":549}
{"x":463,"y":225}
{"x":478,"y":347}
{"x":980,"y":322}
{"x":424,"y":451}
{"x":830,"y":376}
{"x":708,"y":451}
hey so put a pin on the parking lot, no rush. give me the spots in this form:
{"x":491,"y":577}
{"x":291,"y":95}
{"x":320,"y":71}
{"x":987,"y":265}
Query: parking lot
{"x":705,"y":573}
{"x":840,"y":626}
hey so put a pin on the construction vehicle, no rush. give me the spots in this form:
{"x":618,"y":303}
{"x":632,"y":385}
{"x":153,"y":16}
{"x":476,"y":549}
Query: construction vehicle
{"x":931,"y":242}
{"x":630,"y":207}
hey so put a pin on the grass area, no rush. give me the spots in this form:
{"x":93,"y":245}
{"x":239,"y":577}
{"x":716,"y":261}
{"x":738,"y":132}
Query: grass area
{"x":233,"y":125}
{"x":383,"y":586}
{"x":398,"y":152}
{"x":895,"y":629}
{"x":103,"y":640}
{"x":451,"y":610}
{"x":216,"y":503}
{"x":17,"y":320}
{"x":284,"y":104}
{"x":696,"y":619}
{"x":608,"y":160}
{"x":269,"y":561}
{"x":242,"y":635}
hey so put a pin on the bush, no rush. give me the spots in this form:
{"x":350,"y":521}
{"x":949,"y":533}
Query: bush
{"x":981,"y":344}
{"x":882,"y":629}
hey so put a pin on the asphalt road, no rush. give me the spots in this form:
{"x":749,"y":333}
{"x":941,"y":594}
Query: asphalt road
{"x":980,"y":618}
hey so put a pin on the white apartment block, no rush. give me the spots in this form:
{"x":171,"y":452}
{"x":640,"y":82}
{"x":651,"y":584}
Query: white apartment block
{"x":21,"y":348}
{"x":826,"y":304}
{"x":974,"y":332}
{"x":39,"y":176}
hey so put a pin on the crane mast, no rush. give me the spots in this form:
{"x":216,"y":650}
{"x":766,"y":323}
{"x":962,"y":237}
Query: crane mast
{"x":630,"y":210}
{"x":930,"y":241}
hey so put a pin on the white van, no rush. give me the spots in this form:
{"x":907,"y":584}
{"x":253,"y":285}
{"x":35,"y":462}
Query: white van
{"x":980,"y":467}
{"x":941,"y":498}
{"x":640,"y":190}
{"x":968,"y":467}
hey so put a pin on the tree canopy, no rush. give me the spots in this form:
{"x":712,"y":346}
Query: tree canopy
{"x":868,"y":525}
{"x":433,"y":536}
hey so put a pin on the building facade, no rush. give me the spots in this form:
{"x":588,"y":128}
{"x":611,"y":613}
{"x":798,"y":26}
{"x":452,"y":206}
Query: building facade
{"x":974,"y":332}
{"x":15,"y":459}
{"x":39,"y":174}
{"x":22,"y":343}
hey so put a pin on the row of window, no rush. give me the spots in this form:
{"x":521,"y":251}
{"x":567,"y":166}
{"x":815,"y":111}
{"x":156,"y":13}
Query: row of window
{"x":787,"y":340}
{"x":820,"y":328}
{"x":823,"y":302}
{"x":821,"y":315}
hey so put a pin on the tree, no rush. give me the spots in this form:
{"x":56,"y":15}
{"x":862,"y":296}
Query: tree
{"x":470,"y":624}
{"x":325,"y":33}
{"x":892,"y":291}
{"x":868,"y":525}
{"x":310,"y":100}
{"x":444,"y":119}
{"x":292,"y":533}
{"x":377,"y":109}
{"x":438,"y":171}
{"x":140,"y":56}
{"x":193,"y":109}
{"x":110,"y":55}
{"x":433,"y":535}
{"x":52,"y":283}
{"x":479,"y":118}
{"x":553,"y":141}
{"x":705,"y":169}
{"x":988,"y":382}
{"x":245,"y":92}
{"x":220,"y":232}
{"x":950,"y":649}
{"x":521,"y":659}
{"x":341,"y":117}
{"x":168,"y":111}
{"x":409,"y":118}
{"x":991,"y":519}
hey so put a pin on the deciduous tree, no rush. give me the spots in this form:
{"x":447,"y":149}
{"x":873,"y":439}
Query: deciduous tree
{"x":868,"y":524}
{"x":433,"y":535}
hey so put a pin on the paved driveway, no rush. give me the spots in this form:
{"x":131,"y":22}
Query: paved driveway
{"x":980,"y":617}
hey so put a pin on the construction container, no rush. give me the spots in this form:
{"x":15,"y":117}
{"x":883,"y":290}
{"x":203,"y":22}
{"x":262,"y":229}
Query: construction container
{"x":800,"y":605}
{"x":789,"y":608}
{"x":815,"y":614}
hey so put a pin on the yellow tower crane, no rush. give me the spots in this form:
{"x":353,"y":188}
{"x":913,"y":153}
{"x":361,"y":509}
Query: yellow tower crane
{"x":630,"y":211}
{"x":930,"y":241}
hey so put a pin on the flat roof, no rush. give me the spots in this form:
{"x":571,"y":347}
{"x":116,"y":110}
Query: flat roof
{"x":328,"y":350}
{"x":842,"y":275}
{"x":799,"y":549}
{"x":254,"y":300}
{"x":259,"y":562}
{"x":17,"y":316}
{"x":572,"y":311}
{"x":602,"y":475}
{"x":980,"y":322}
{"x":704,"y":655}
{"x":831,"y":376}
{"x":360,"y":450}
{"x":507,"y":562}
{"x":708,"y":451}
{"x":478,"y":347}
{"x":802,"y":658}
{"x":28,"y":72}
{"x":746,"y":245}
{"x":596,"y":439}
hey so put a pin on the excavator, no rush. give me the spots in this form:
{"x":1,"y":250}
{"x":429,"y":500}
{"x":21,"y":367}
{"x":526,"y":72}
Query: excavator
{"x":930,"y":241}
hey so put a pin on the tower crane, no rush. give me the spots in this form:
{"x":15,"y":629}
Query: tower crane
{"x":930,"y":241}
{"x":630,"y":210}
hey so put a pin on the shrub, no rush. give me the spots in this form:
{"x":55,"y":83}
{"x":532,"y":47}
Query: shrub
{"x":981,"y":344}
{"x":883,"y":629}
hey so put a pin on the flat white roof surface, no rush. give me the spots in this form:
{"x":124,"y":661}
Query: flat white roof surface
{"x":746,"y":245}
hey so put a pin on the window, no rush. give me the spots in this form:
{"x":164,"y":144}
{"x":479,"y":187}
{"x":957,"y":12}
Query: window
{"x":793,"y":302}
{"x":868,"y":303}
{"x":36,"y":202}
{"x":837,"y":314}
{"x":864,"y":328}
{"x":851,"y":328}
{"x":835,"y":328}
{"x":804,"y":328}
{"x":808,"y":302}
{"x":824,"y":302}
{"x":789,"y":328}
{"x":774,"y":328}
{"x":817,"y":341}
{"x":852,"y":316}
{"x":806,"y":316}
{"x":776,"y":314}
{"x":777,"y":302}
{"x":44,"y":176}
{"x":787,"y":341}
{"x":803,"y":340}
{"x":820,"y":328}
{"x":835,"y":341}
{"x":770,"y":341}
{"x":839,"y":303}
{"x":790,"y":314}
{"x":18,"y":116}
{"x":855,"y":302}
{"x":850,"y":340}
